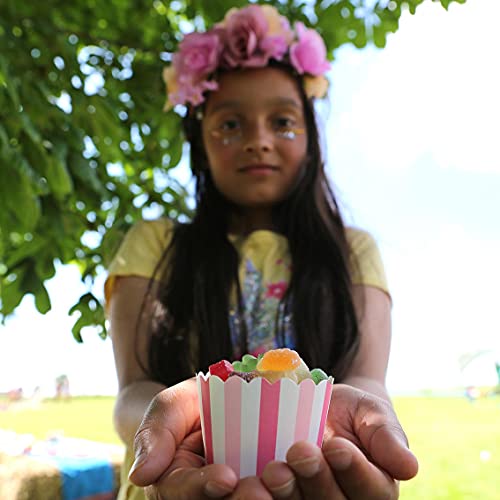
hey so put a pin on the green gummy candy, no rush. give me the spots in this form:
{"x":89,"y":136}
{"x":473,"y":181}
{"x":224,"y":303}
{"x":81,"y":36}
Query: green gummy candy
{"x":248,"y":358}
{"x":249,"y":362}
{"x":318,"y":375}
{"x":238,"y":366}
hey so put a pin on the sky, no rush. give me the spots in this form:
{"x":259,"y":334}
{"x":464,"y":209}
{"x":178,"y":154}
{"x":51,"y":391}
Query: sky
{"x":412,"y":153}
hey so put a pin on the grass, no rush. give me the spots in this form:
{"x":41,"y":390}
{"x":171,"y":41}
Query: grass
{"x":83,"y":417}
{"x":448,"y":435}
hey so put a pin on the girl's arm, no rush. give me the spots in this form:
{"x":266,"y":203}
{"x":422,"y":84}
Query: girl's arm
{"x":136,"y":390}
{"x":369,"y":368}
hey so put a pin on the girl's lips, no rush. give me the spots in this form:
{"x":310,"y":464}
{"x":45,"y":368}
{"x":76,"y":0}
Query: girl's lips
{"x":258,"y":169}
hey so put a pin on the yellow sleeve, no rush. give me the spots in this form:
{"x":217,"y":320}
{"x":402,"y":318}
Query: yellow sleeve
{"x":139,"y":252}
{"x":366,"y":263}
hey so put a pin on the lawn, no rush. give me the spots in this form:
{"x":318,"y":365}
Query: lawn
{"x":84,"y":417}
{"x":458,"y":446}
{"x":457,"y":442}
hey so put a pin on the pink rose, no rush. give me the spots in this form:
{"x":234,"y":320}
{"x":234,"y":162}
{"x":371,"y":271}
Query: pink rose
{"x":308,"y":54}
{"x":274,"y":46}
{"x":198,"y":56}
{"x":245,"y":30}
{"x":192,"y":93}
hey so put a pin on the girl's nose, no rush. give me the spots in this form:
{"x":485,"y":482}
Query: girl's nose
{"x":258,"y":140}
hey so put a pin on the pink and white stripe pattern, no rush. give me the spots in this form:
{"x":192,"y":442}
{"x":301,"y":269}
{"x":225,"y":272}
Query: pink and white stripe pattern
{"x":247,"y":424}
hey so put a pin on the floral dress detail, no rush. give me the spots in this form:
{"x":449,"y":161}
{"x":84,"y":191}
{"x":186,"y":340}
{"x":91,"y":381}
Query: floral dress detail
{"x":264,"y":276}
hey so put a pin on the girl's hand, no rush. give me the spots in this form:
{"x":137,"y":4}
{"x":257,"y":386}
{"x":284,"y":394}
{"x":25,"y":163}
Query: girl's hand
{"x":365,"y":452}
{"x":169,"y":450}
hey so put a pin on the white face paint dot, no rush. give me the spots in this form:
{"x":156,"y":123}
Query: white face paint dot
{"x":484,"y":455}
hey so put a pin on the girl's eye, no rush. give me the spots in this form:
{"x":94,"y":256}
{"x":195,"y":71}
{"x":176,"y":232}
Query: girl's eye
{"x":286,"y":128}
{"x":227,"y":131}
{"x":229,"y":126}
{"x":283,"y":123}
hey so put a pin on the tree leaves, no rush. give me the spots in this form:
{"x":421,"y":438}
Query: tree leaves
{"x":85,"y":149}
{"x":90,"y":313}
{"x":20,"y":207}
{"x":446,"y":3}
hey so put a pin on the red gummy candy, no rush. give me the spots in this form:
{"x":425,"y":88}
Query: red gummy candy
{"x":222,"y":369}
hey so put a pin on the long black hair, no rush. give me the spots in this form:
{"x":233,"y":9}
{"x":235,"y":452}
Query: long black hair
{"x":190,"y":329}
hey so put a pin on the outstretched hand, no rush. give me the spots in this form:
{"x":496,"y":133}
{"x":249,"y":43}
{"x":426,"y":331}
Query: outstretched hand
{"x":364,"y":453}
{"x":169,"y":450}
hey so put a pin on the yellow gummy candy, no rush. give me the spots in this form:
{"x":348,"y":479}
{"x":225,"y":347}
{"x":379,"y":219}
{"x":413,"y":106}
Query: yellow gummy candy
{"x":279,"y":360}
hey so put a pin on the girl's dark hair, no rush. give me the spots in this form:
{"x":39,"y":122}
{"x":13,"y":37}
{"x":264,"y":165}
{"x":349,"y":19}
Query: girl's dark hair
{"x":194,"y":299}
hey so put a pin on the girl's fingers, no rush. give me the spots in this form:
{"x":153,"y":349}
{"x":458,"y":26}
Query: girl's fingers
{"x":211,"y":481}
{"x":371,"y":424}
{"x":189,"y":453}
{"x":355,"y":474}
{"x":171,"y":417}
{"x":280,"y":480}
{"x":251,"y":488}
{"x":383,"y":438}
{"x":314,"y":478}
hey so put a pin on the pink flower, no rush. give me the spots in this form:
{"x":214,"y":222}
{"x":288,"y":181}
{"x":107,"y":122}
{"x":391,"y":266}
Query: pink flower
{"x":277,"y":290}
{"x":198,"y":56}
{"x":246,"y":29}
{"x":190,"y":92}
{"x":308,"y":54}
{"x":274,"y":46}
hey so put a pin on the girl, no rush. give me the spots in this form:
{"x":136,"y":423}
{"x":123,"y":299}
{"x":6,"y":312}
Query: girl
{"x":265,"y":262}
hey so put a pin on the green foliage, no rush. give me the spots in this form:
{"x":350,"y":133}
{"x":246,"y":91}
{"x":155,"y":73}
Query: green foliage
{"x":85,"y":149}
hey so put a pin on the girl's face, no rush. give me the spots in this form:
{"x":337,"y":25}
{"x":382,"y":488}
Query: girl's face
{"x":255,"y":137}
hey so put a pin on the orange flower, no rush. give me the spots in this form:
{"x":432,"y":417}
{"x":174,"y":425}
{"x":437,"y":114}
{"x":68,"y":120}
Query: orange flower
{"x":315,"y":86}
{"x":170,"y":79}
{"x":277,"y":24}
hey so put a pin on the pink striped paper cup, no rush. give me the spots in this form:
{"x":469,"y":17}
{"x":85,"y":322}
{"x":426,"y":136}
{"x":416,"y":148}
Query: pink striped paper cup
{"x":247,"y":424}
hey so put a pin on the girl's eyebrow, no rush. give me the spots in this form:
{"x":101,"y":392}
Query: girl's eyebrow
{"x":275,"y":101}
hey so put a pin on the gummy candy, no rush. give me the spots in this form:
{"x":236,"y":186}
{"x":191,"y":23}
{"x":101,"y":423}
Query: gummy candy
{"x":273,"y":365}
{"x":318,"y":375}
{"x":279,"y":360}
{"x":222,"y":369}
{"x":282,"y":363}
{"x":238,"y":366}
{"x":248,"y":363}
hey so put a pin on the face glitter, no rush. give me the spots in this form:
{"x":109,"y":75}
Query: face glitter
{"x":290,"y":134}
{"x":231,"y":137}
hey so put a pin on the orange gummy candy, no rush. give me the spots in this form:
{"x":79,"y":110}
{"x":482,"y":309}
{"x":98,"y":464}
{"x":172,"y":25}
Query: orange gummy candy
{"x":279,"y":360}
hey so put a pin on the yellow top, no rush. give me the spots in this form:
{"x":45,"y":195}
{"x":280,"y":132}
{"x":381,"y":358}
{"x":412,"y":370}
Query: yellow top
{"x":145,"y":242}
{"x":264,"y":272}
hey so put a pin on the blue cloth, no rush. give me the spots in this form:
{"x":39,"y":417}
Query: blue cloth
{"x":84,"y":477}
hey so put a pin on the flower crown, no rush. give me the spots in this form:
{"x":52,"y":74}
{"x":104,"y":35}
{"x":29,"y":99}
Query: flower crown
{"x":247,"y":38}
